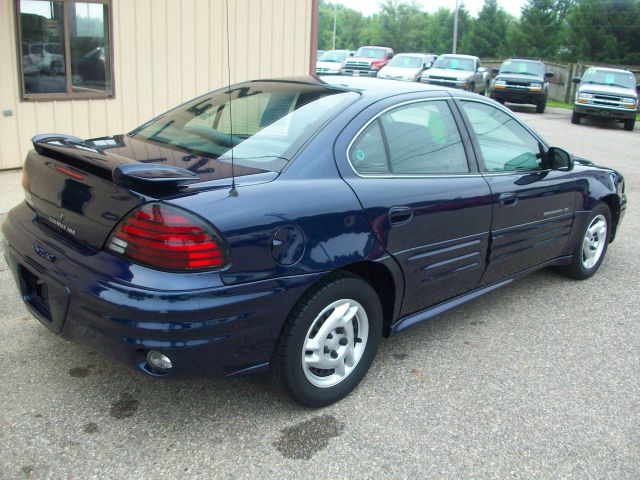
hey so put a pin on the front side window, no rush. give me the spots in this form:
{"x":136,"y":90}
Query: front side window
{"x":416,"y":139}
{"x":65,"y":49}
{"x":504,"y":143}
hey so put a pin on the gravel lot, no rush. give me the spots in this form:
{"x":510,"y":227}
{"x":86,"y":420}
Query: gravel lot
{"x":537,"y":380}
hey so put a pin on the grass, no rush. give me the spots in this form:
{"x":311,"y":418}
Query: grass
{"x":568,"y":106}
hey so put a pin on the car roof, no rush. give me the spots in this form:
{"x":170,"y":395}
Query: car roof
{"x":411,"y":54}
{"x":607,"y":69}
{"x":375,"y":86}
{"x":458,"y":55}
{"x":517,"y":59}
{"x":372,"y":88}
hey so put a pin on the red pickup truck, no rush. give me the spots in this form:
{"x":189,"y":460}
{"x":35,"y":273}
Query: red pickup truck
{"x":367,"y":61}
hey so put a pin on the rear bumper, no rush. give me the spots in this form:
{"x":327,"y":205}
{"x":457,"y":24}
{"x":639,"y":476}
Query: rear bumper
{"x":518,"y":96}
{"x":604,"y":112}
{"x":124,"y":310}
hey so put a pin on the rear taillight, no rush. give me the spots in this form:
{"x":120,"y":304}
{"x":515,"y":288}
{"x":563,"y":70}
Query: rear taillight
{"x":168,"y":238}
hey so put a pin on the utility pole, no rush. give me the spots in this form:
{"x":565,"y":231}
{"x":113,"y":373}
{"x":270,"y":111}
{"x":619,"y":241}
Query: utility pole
{"x":455,"y":29}
{"x":335,"y":15}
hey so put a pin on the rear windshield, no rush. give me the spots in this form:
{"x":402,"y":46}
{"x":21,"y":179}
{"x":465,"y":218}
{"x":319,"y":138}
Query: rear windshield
{"x":265,"y":123}
{"x":406,"y":61}
{"x":523,"y":67}
{"x":455,"y":63}
{"x":609,"y":77}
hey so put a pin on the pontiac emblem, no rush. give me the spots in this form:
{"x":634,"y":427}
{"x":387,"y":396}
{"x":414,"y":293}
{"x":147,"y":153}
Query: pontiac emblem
{"x":43,"y":253}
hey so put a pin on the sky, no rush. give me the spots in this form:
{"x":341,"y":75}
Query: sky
{"x":369,"y":7}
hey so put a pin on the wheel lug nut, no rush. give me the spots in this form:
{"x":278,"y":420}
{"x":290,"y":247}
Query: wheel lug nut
{"x":340,"y":330}
{"x":326,"y":349}
{"x":344,"y":341}
{"x":334,"y":354}
{"x":329,"y":337}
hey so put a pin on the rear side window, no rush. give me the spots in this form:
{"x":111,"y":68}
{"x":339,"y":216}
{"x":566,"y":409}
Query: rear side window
{"x":420,"y":139}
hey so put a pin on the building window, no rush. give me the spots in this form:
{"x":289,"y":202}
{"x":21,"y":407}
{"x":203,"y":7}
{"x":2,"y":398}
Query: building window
{"x":65,"y":49}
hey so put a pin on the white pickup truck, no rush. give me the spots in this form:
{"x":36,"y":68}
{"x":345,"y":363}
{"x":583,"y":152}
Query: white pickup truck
{"x":458,"y":71}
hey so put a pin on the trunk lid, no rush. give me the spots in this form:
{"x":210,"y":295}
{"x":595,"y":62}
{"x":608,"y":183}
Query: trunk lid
{"x":83,"y":188}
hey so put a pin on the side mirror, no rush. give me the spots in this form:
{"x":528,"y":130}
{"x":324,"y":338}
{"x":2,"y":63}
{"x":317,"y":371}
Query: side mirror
{"x":576,"y":79}
{"x":427,"y":65}
{"x":548,"y":74}
{"x":481,"y":69}
{"x":352,"y":54}
{"x":559,"y":159}
{"x":495,"y":71}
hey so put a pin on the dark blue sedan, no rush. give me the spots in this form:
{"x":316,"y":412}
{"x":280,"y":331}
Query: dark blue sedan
{"x":289,"y":224}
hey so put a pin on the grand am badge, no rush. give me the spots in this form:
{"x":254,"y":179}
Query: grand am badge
{"x":62,"y":226}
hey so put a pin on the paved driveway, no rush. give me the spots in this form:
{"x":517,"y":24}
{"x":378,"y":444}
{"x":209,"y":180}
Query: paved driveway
{"x":537,"y":380}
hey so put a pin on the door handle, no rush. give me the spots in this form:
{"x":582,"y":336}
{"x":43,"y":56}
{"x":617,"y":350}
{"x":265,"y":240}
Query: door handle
{"x":400,"y":215}
{"x":508,"y":199}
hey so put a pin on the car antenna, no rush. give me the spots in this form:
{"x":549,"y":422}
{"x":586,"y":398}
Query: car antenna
{"x":233,"y":192}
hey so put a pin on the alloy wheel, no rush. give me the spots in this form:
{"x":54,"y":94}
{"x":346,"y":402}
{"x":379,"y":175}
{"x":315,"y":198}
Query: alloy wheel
{"x":594,"y":241}
{"x":335,"y":343}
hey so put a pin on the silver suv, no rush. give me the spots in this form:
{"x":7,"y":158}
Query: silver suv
{"x":458,"y":71}
{"x":606,"y":93}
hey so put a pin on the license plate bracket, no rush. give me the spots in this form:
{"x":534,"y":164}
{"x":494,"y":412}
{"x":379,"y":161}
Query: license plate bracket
{"x":46,"y":299}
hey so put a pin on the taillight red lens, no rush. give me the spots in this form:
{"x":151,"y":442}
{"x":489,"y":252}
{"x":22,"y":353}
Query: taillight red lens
{"x":167,"y":238}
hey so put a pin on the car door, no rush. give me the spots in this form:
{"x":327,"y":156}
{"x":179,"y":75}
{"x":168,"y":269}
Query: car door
{"x":477,"y":77}
{"x":533,"y":206}
{"x":426,"y":203}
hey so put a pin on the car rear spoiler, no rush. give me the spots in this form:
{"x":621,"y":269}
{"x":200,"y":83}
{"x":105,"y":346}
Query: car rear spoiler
{"x":122,"y":171}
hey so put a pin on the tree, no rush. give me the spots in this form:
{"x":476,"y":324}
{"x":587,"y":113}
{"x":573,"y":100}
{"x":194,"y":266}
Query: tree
{"x":400,"y":25}
{"x":350,"y":27}
{"x":540,"y":30}
{"x":605,"y":31}
{"x":488,"y":33}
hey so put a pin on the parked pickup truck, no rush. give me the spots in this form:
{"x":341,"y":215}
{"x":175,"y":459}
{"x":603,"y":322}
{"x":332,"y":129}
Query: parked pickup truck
{"x":607,"y":93}
{"x":520,"y":80}
{"x":458,"y":71}
{"x":367,"y":61}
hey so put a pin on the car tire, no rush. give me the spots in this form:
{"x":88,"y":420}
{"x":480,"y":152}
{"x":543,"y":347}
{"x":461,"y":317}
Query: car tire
{"x":541,"y":106}
{"x":335,"y":326}
{"x":575,"y":118}
{"x":591,"y":246}
{"x":630,"y":124}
